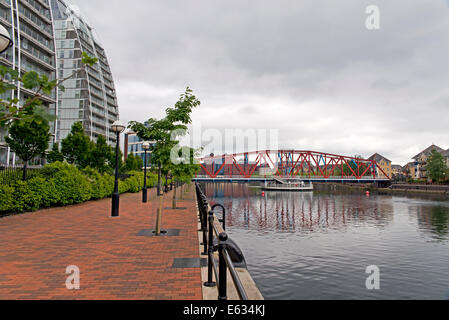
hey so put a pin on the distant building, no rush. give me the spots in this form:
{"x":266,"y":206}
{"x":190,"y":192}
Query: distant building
{"x":397,"y":171}
{"x":410,"y":170}
{"x":382,"y":163}
{"x":420,"y":163}
{"x":134,"y":146}
{"x":266,"y":170}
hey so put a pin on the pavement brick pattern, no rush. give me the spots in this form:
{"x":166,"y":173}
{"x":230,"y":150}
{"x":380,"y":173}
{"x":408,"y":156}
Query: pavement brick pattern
{"x":114,"y":262}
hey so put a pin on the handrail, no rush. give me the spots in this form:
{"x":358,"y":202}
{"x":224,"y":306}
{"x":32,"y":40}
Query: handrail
{"x":236,"y":279}
{"x":208,"y":226}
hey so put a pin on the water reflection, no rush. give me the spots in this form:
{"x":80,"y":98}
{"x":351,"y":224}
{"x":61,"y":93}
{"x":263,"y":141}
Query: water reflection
{"x":290,"y":212}
{"x":318,"y":245}
{"x":433,"y":220}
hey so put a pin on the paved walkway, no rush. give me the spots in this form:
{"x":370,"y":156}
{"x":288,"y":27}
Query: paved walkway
{"x":114,"y":262}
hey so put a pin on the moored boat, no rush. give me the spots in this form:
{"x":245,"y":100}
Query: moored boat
{"x":289,"y":186}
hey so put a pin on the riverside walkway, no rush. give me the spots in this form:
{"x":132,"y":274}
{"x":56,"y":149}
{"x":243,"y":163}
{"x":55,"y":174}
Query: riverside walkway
{"x":116,"y":260}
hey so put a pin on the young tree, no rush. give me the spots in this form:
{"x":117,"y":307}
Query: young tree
{"x":101,"y":155}
{"x":186,"y":166}
{"x":436,"y":166}
{"x":77,"y":147}
{"x":138,"y":163}
{"x":28,"y":138}
{"x":55,"y":155}
{"x":165,"y":131}
{"x":133,"y":163}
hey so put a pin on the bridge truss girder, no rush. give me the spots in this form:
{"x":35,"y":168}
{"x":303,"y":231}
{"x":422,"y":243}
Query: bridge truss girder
{"x":292,"y":164}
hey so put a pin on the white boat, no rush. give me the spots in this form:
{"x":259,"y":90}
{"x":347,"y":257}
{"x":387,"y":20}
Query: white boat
{"x":289,"y":186}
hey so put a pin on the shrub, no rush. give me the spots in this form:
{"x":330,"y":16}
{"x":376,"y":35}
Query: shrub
{"x":45,"y":189}
{"x":26,"y":198}
{"x":135,"y":182}
{"x":151,"y":179}
{"x":6,"y":198}
{"x":72,"y":186}
{"x":60,"y":184}
{"x":102,"y":184}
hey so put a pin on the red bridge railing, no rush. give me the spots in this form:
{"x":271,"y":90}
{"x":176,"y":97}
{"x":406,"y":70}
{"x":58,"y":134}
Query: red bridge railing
{"x":291,"y":164}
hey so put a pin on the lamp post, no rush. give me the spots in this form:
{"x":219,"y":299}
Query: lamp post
{"x":118,"y":128}
{"x":5,"y":39}
{"x":145,"y":146}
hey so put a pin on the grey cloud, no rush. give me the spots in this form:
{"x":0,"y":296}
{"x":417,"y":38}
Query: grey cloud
{"x":309,"y":68}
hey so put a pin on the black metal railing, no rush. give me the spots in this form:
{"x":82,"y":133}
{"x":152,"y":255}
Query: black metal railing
{"x":11,"y":174}
{"x":209,"y":229}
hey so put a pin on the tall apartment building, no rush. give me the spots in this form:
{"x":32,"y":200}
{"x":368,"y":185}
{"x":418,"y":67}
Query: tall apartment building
{"x":89,"y":97}
{"x":49,"y":38}
{"x":29,"y":22}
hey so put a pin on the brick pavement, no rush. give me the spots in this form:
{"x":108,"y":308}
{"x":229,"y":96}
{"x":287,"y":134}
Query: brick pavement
{"x":114,"y":262}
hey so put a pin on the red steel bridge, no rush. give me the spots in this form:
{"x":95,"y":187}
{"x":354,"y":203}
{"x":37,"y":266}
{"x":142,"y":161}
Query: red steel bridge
{"x":290,"y":164}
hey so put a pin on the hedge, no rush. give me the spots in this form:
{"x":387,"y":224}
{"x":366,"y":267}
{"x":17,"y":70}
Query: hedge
{"x":60,"y":184}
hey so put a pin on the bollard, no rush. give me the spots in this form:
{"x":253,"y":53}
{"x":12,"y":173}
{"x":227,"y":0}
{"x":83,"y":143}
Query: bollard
{"x":222,"y":273}
{"x":210,"y":282}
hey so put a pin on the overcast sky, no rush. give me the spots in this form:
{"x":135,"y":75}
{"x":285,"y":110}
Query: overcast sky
{"x":309,"y":68}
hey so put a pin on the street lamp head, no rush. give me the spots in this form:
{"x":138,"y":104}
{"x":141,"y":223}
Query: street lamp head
{"x":5,"y":39}
{"x":146,"y":145}
{"x":118,"y":127}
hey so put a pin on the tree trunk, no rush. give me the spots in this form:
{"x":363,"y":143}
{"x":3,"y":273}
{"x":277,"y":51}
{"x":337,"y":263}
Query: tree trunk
{"x":25,"y":167}
{"x":174,"y":197}
{"x":181,"y":194}
{"x":159,"y":180}
{"x":166,"y":183}
{"x":159,"y":216}
{"x":160,"y":198}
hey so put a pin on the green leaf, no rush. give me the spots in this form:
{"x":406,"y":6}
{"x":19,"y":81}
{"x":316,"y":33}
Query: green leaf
{"x":86,"y":59}
{"x":42,"y":112}
{"x":31,"y":80}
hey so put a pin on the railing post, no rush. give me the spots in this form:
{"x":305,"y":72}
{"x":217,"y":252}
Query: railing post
{"x":222,"y":273}
{"x":210,"y":282}
{"x":204,"y":218}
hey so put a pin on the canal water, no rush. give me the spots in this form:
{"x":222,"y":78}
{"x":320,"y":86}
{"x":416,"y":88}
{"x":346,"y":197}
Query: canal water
{"x":318,"y":245}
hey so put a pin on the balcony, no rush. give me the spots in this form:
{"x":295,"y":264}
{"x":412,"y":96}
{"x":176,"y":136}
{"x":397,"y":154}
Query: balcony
{"x":38,"y":60}
{"x":38,"y":13}
{"x":36,"y":42}
{"x":36,"y":27}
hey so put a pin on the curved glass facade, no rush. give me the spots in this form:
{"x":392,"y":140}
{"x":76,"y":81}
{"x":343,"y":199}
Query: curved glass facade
{"x":49,"y":38}
{"x":30,"y":25}
{"x":90,"y":96}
